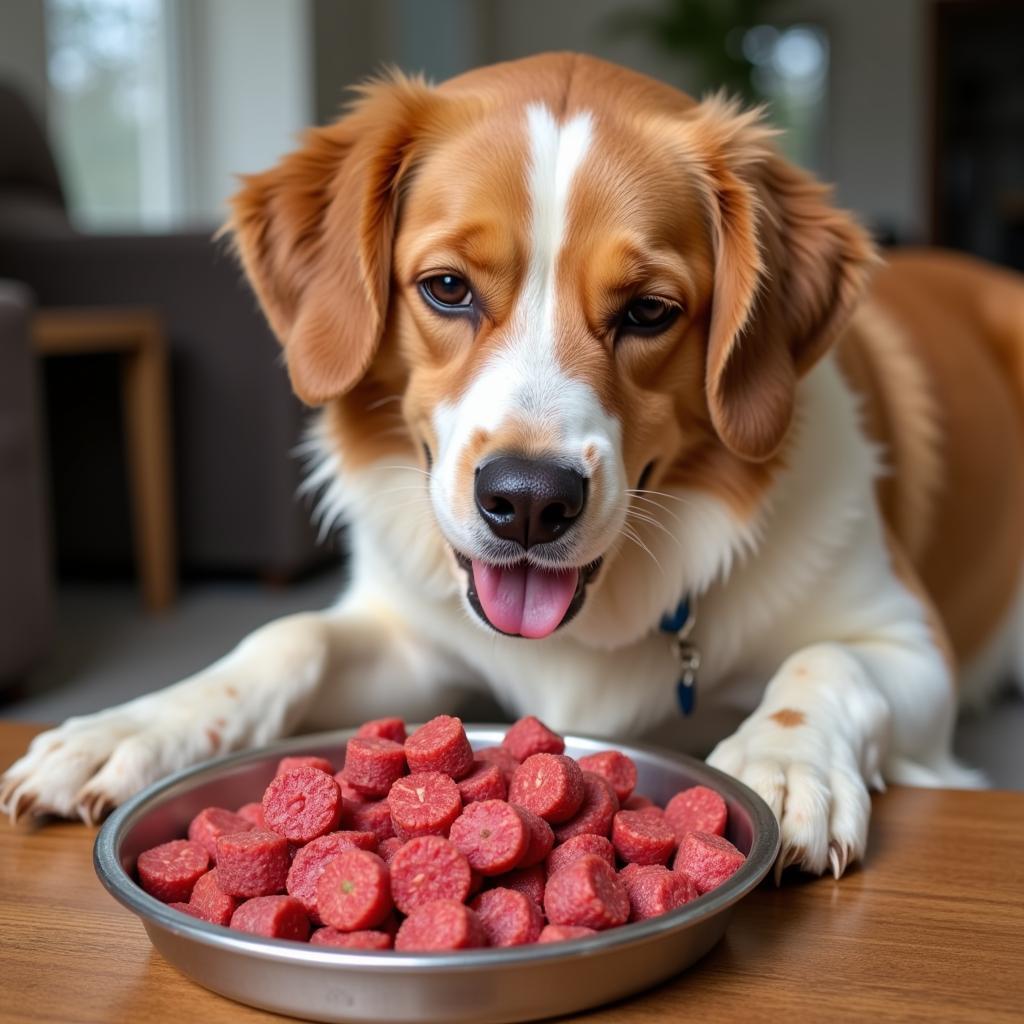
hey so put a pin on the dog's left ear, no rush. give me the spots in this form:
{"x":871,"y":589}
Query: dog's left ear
{"x":789,"y":269}
{"x":314,"y":235}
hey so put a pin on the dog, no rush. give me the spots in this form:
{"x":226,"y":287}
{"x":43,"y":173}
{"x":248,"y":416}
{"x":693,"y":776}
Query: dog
{"x":608,"y":387}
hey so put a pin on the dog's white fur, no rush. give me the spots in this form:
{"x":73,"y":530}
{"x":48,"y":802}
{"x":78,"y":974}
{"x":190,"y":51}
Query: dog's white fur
{"x":803,"y":596}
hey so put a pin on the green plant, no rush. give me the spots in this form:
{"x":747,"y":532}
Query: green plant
{"x":707,"y":33}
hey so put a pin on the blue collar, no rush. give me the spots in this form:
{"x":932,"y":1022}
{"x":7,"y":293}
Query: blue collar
{"x":679,"y":625}
{"x":678,"y":619}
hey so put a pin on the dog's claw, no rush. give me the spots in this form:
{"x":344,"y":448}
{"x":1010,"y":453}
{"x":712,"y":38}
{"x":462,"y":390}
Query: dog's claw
{"x":838,"y":858}
{"x":92,"y":807}
{"x":22,"y":802}
{"x":878,"y":783}
{"x":788,"y":856}
{"x":8,"y":787}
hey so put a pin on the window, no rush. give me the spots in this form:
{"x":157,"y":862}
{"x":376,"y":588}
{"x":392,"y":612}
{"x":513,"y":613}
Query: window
{"x":790,"y":70}
{"x":109,"y":109}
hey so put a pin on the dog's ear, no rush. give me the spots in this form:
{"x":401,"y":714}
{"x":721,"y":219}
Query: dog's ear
{"x":314,"y":234}
{"x":789,"y":269}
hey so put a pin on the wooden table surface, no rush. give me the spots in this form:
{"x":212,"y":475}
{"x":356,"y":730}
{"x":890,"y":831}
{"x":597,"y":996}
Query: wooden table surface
{"x":930,"y":929}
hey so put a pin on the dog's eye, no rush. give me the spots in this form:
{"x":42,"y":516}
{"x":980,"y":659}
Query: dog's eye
{"x":448,"y":291}
{"x":649,"y":315}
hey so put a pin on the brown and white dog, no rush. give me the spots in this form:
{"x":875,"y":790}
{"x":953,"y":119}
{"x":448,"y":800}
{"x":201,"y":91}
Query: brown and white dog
{"x":587,"y":348}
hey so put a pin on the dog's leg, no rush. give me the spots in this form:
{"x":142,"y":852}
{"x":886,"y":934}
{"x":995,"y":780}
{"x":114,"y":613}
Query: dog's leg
{"x":840,"y":716}
{"x":317,"y":670}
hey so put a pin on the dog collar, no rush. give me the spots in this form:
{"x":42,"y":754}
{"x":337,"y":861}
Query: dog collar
{"x":679,"y":625}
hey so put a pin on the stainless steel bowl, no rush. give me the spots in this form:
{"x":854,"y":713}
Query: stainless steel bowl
{"x":515,"y":984}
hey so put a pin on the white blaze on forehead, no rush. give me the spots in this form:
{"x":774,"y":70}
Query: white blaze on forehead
{"x":556,"y":152}
{"x":524,"y":374}
{"x":524,"y":377}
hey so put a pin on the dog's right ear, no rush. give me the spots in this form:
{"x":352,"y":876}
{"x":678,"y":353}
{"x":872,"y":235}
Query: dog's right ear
{"x":314,"y":235}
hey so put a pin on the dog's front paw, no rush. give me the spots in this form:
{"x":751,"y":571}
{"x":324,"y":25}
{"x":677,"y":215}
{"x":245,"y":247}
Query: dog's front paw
{"x":812,"y":783}
{"x":59,"y":764}
{"x":90,"y":765}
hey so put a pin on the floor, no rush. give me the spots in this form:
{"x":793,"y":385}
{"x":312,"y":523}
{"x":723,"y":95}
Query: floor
{"x":108,"y":650}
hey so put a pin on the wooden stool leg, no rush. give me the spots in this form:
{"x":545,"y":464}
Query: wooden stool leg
{"x":147,"y":436}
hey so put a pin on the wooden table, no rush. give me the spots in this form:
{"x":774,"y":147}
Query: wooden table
{"x":932,"y":929}
{"x":137,"y":336}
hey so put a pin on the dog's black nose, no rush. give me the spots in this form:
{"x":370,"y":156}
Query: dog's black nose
{"x":528,"y":500}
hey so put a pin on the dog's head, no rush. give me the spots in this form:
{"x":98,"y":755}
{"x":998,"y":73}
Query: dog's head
{"x":582,"y":286}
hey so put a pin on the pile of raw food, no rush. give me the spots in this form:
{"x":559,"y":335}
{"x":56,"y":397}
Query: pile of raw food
{"x":422,"y":843}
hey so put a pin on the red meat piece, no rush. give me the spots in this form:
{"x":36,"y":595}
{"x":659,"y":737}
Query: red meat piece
{"x":599,"y":807}
{"x":254,"y":813}
{"x":353,"y":892}
{"x":387,"y":848}
{"x":311,"y":859}
{"x":209,"y":824}
{"x":443,"y":924}
{"x":428,"y":868}
{"x":697,"y":809}
{"x":210,"y":902}
{"x":277,"y":917}
{"x":579,"y":846}
{"x":616,"y":767}
{"x":550,"y":785}
{"x":170,"y":870}
{"x":642,"y":838}
{"x":708,"y":860}
{"x":484,"y":782}
{"x":539,"y":838}
{"x":422,"y":804}
{"x":654,"y":890}
{"x":321,"y":764}
{"x":373,"y":816}
{"x":351,"y":940}
{"x":531,"y":736}
{"x":509,"y":918}
{"x":440,"y":746}
{"x":302,"y":804}
{"x":564,"y":933}
{"x":372,"y":765}
{"x":586,"y":893}
{"x":252,"y":863}
{"x":530,"y":881}
{"x":638,"y":802}
{"x":383,"y":729}
{"x":492,"y":835}
{"x":501,"y":757}
{"x":352,"y":797}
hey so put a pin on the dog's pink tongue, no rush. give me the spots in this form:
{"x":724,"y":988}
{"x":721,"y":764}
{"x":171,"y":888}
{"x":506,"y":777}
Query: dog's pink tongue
{"x":526,"y":600}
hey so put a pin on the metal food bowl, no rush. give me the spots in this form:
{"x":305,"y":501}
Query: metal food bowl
{"x":487,"y":985}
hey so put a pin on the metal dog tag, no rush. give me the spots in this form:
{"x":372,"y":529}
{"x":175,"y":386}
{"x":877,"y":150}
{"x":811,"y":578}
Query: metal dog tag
{"x":680,"y":626}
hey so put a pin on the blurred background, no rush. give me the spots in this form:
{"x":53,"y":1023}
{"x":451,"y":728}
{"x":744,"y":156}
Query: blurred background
{"x":149,"y":515}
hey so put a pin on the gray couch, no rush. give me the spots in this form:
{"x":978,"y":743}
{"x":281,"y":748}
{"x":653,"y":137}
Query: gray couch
{"x":26,"y":608}
{"x":235,"y":421}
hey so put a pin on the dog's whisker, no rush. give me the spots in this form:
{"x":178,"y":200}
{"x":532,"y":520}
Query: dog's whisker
{"x":417,"y":488}
{"x":631,"y":535}
{"x":373,"y":406}
{"x":634,"y":515}
{"x":659,"y":494}
{"x":406,"y":466}
{"x":658,"y":505}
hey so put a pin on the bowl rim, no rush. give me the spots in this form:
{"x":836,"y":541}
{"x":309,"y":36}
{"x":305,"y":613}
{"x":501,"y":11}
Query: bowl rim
{"x":107,"y":862}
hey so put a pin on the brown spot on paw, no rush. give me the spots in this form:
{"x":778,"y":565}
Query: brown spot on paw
{"x":213,"y":735}
{"x":231,"y":691}
{"x":789,"y":718}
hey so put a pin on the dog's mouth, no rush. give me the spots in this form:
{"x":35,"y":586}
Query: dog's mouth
{"x":524,"y":599}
